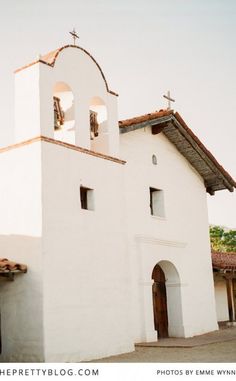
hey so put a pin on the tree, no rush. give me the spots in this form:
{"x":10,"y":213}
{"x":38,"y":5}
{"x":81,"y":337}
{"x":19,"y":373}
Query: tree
{"x":229,"y":239}
{"x":222,"y":239}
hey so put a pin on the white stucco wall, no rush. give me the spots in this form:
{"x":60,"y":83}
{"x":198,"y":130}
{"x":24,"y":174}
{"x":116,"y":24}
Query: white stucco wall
{"x":85,"y":259}
{"x":20,"y":241}
{"x":27,"y":104}
{"x":181,"y":237}
{"x":88,"y":292}
{"x":221,"y":299}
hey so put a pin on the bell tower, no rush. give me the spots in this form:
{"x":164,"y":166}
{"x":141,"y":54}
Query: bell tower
{"x":64,"y":95}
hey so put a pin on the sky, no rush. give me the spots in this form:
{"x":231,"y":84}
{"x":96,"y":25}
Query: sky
{"x":145,"y":48}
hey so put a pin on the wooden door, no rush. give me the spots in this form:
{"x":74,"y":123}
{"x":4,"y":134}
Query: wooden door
{"x":160,"y":302}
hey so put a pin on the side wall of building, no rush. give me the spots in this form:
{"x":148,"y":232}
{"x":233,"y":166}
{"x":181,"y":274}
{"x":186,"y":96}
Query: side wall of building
{"x":85,"y":258}
{"x":177,"y":237}
{"x":20,"y":241}
{"x":221,"y":299}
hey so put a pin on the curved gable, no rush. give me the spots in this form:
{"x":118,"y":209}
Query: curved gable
{"x":51,"y":57}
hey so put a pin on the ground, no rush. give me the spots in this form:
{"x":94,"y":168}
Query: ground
{"x":223,"y":351}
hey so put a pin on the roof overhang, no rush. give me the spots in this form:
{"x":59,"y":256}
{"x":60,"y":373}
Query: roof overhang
{"x":224,"y":262}
{"x":10,"y":274}
{"x":179,"y":134}
{"x":9,"y":268}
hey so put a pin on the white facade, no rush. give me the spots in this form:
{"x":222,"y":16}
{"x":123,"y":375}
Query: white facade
{"x":88,"y":290}
{"x":21,"y":238}
{"x":171,"y":240}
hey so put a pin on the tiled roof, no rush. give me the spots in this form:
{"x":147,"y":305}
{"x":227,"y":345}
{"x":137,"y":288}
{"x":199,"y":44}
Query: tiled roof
{"x":223,"y":261}
{"x":144,"y":118}
{"x":9,"y":266}
{"x":51,"y":57}
{"x":176,"y":130}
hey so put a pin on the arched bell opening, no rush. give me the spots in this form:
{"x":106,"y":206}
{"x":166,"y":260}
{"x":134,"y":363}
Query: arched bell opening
{"x":98,"y":125}
{"x":167,"y":305}
{"x":64,"y":113}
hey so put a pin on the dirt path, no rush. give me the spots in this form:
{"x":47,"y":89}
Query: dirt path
{"x":217,"y":352}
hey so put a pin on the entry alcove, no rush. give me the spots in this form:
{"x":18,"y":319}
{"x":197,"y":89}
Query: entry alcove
{"x":167,"y":303}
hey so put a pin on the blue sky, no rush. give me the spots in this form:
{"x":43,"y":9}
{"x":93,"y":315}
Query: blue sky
{"x":144,"y":48}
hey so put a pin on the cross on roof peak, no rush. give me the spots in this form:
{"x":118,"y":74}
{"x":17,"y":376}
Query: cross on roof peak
{"x":74,"y":35}
{"x":168,"y":97}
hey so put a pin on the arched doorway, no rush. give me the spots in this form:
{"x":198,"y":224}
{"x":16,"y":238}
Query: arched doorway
{"x":167,"y":300}
{"x":160,"y":302}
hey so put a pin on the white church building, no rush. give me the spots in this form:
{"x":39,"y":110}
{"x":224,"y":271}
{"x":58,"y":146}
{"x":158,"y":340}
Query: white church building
{"x":104,"y":214}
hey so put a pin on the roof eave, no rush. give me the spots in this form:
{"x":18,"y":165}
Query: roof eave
{"x":175,"y":129}
{"x":151,"y":122}
{"x":222,"y":180}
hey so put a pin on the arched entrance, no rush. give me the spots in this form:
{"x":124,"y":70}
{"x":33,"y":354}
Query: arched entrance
{"x":167,"y":304}
{"x":159,"y":302}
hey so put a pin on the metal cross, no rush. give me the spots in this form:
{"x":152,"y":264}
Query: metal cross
{"x":74,"y":35}
{"x":169,"y":100}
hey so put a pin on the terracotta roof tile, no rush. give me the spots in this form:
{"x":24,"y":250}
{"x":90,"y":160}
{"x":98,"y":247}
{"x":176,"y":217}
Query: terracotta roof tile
{"x":9,"y":266}
{"x":223,"y":261}
{"x":203,"y":147}
{"x":50,"y":57}
{"x":144,"y":118}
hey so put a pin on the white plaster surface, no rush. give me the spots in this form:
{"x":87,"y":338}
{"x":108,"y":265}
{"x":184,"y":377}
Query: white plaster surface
{"x":181,"y":237}
{"x":20,"y":240}
{"x":88,"y":290}
{"x":85,"y":258}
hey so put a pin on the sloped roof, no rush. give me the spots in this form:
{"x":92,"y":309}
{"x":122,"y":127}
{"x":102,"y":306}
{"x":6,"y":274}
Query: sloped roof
{"x":223,"y":261}
{"x":51,"y":57}
{"x":144,"y":118}
{"x":7,"y":266}
{"x":176,"y":130}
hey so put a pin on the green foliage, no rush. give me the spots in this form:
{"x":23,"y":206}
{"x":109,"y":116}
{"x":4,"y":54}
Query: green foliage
{"x":222,"y":239}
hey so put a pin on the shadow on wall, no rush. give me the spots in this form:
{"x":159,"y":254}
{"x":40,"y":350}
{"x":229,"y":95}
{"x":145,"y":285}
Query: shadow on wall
{"x":174,"y":299}
{"x":21,"y":301}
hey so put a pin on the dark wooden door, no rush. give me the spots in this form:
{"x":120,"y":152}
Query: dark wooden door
{"x":160,"y":302}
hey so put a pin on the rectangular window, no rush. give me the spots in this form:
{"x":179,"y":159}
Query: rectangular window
{"x":86,"y":198}
{"x":157,"y":202}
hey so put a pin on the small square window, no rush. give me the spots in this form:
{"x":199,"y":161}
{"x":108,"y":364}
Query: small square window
{"x":86,"y":198}
{"x":157,"y":202}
